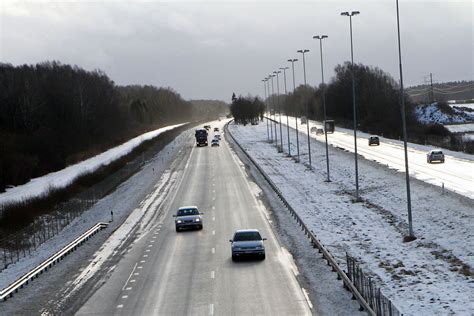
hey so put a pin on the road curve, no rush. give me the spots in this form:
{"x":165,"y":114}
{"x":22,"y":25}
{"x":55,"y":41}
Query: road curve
{"x":169,"y":273}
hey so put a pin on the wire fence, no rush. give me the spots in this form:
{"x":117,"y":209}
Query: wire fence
{"x":367,"y":288}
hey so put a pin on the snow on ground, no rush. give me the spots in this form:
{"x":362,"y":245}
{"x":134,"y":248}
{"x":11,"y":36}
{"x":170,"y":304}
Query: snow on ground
{"x":420,"y":277}
{"x":145,"y":188}
{"x":456,"y":174}
{"x":60,"y":179}
{"x":430,"y":113}
{"x":460,"y":128}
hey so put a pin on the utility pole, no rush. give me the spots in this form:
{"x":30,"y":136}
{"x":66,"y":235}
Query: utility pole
{"x":432,"y":91}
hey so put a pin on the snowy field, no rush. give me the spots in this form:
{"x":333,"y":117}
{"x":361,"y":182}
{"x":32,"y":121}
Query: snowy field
{"x":460,"y":128}
{"x":60,"y":179}
{"x":421,"y":277}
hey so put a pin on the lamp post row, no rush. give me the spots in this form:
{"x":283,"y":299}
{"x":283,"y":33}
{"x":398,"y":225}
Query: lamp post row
{"x":354,"y":109}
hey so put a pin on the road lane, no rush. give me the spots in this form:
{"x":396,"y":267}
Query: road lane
{"x":191,"y":272}
{"x":456,"y":174}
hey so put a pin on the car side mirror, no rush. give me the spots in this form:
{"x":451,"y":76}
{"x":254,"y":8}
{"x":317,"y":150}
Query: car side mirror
{"x":202,"y":213}
{"x":264,"y":239}
{"x":174,"y":215}
{"x":230,"y":240}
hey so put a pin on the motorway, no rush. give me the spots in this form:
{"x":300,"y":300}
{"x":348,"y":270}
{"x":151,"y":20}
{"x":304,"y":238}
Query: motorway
{"x":169,"y":273}
{"x":456,"y":174}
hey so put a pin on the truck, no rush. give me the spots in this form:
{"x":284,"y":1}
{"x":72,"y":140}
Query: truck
{"x":329,"y":126}
{"x":201,"y":137}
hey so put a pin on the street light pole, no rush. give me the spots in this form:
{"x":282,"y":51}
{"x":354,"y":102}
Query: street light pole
{"x":323,"y":88}
{"x":273,"y":102}
{"x":292,"y":61}
{"x":265,"y":102}
{"x":402,"y":104}
{"x":269,"y":111}
{"x":304,"y":51}
{"x":279,"y":111}
{"x":350,"y":15}
{"x":287,"y":119}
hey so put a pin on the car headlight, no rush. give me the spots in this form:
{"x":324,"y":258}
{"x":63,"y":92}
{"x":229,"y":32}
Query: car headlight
{"x":197,"y":220}
{"x":259,"y":247}
{"x":178,"y":221}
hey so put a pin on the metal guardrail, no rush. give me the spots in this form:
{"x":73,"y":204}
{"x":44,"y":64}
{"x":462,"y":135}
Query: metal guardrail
{"x":55,"y":258}
{"x":341,"y":275}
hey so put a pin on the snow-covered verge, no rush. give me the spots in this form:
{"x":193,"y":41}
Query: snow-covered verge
{"x":431,"y":113}
{"x":62,"y":178}
{"x":144,"y":189}
{"x":430,"y":275}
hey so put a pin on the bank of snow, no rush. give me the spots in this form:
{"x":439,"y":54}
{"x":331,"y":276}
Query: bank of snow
{"x":62,"y":178}
{"x":421,"y":277}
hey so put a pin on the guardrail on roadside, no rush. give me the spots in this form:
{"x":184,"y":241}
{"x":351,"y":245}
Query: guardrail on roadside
{"x":55,"y":258}
{"x":341,"y":275}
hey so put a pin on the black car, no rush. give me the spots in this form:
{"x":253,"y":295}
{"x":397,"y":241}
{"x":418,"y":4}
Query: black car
{"x":374,"y":140}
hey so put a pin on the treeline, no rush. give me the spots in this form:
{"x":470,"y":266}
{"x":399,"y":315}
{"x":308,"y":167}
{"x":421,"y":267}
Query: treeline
{"x":247,"y":110}
{"x":377,"y":101}
{"x":53,"y":115}
{"x":208,"y":109}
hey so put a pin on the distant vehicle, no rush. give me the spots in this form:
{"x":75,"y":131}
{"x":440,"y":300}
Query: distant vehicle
{"x":188,"y":217}
{"x":247,"y":242}
{"x":208,"y":127}
{"x":303,"y":120}
{"x":215,"y":143}
{"x":329,"y":126}
{"x":217,"y":136}
{"x":313,"y":129}
{"x":374,"y":140}
{"x":201,"y":137}
{"x":435,"y":155}
{"x":319,"y":131}
{"x":216,"y":129}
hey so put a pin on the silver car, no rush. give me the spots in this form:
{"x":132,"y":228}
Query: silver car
{"x":435,"y":155}
{"x":188,"y":217}
{"x":247,"y":242}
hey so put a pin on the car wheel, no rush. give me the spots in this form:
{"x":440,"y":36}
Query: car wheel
{"x":200,"y":227}
{"x":234,"y":258}
{"x":262,"y":257}
{"x":177,"y":229}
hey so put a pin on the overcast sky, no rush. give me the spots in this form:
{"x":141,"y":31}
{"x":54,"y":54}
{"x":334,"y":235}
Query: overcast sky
{"x":209,"y":49}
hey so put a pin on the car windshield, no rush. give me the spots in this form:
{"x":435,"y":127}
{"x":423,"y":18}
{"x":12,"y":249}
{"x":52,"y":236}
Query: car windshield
{"x":247,"y":236}
{"x":188,"y":211}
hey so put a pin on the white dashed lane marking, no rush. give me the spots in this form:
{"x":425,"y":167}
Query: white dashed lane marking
{"x":213,"y":250}
{"x":213,"y":232}
{"x":125,"y":296}
{"x":213,"y":274}
{"x":120,"y":306}
{"x":129,"y":277}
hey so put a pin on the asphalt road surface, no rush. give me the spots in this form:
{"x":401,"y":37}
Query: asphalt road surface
{"x":456,"y":174}
{"x":170,"y":273}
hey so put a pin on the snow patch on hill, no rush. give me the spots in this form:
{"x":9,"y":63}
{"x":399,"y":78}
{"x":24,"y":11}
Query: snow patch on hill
{"x":431,"y":114}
